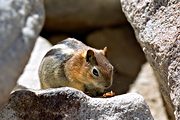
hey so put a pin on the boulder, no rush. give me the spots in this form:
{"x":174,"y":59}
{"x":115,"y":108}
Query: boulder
{"x":20,"y":24}
{"x":146,"y":85}
{"x":71,"y":104}
{"x":123,"y":51}
{"x":157,"y":27}
{"x":70,"y":15}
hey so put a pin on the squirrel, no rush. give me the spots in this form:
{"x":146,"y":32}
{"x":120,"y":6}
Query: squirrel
{"x":71,"y":63}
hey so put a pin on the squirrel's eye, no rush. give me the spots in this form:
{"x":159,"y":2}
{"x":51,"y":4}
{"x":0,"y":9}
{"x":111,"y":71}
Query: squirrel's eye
{"x":95,"y":72}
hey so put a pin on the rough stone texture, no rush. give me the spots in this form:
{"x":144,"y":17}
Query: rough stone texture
{"x":146,"y":85}
{"x":73,"y":15}
{"x":20,"y":24}
{"x":123,"y":52}
{"x":29,"y":77}
{"x":157,"y":27}
{"x":70,"y":104}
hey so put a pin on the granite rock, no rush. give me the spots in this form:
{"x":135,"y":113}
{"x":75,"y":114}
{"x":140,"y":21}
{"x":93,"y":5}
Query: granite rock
{"x":20,"y":24}
{"x":70,"y":104}
{"x":157,"y":27}
{"x":147,"y":85}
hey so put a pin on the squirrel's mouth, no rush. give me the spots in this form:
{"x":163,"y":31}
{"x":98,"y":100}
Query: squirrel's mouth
{"x":101,"y":85}
{"x":105,"y":85}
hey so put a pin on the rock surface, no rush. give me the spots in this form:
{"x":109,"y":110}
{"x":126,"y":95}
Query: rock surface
{"x":123,"y":52}
{"x":70,"y":15}
{"x":157,"y":27}
{"x":20,"y":24}
{"x":146,"y":85}
{"x":29,"y":77}
{"x":68,"y":103}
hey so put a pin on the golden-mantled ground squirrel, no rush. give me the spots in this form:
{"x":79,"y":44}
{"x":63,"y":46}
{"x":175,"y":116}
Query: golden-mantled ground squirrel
{"x":73,"y":64}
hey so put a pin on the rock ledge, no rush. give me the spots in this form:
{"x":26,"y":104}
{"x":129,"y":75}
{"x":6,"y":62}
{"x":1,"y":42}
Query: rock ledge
{"x":68,"y":103}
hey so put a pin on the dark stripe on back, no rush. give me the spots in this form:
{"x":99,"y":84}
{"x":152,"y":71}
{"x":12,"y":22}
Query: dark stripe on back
{"x":51,"y":52}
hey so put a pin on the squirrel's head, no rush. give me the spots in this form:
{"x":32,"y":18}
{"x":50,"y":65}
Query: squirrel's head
{"x":98,"y":70}
{"x":90,"y":68}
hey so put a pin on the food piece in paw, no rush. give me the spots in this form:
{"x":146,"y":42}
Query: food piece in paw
{"x":109,"y":94}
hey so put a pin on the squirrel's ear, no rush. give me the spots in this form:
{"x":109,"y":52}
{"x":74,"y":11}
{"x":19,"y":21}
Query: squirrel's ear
{"x":90,"y":57}
{"x":105,"y":51}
